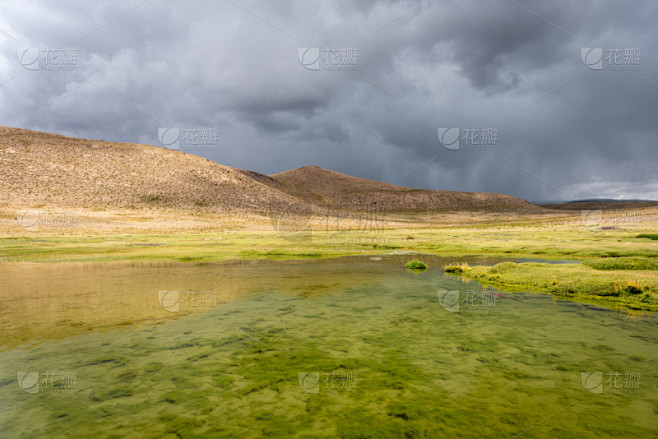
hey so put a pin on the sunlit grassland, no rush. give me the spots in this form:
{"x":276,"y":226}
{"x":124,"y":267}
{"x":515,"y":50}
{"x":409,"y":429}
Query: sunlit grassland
{"x":632,"y":288}
{"x":532,"y":242}
{"x":617,"y":265}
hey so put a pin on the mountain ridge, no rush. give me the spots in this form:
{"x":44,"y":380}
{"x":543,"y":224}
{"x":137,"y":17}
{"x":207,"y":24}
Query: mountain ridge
{"x":318,"y":185}
{"x":43,"y":169}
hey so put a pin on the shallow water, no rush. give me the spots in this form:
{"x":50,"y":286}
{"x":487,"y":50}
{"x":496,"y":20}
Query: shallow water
{"x":349,"y":347}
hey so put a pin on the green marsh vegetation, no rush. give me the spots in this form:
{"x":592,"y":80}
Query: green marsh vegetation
{"x":631,"y":288}
{"x":415,"y":265}
{"x":233,"y":370}
{"x":617,"y":265}
{"x":536,"y":241}
{"x":413,"y":366}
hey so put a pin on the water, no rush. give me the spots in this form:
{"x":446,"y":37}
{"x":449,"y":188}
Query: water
{"x":350,"y":347}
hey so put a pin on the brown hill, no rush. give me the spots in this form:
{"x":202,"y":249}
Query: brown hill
{"x":48,"y":170}
{"x":321,"y":186}
{"x":40,"y":169}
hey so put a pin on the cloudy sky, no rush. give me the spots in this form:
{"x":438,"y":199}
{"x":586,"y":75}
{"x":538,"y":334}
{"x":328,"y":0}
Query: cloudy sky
{"x":495,"y":96}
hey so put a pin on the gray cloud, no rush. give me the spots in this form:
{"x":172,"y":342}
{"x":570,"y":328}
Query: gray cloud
{"x":564,"y":130}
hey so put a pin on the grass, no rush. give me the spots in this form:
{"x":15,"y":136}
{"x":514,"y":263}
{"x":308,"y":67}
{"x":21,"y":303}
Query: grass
{"x":634,"y":263}
{"x":457,"y":268}
{"x":416,"y":265}
{"x":636,"y":290}
{"x":539,"y":241}
{"x":611,"y":259}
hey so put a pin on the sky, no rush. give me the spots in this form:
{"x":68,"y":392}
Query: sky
{"x":542,"y":100}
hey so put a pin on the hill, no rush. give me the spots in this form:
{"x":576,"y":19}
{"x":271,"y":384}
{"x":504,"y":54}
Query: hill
{"x":42,"y":170}
{"x":320,"y":186}
{"x":47,"y":170}
{"x":601,"y":204}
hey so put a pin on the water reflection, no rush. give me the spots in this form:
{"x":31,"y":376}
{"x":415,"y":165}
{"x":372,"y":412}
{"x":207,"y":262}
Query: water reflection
{"x":49,"y":301}
{"x":352,"y":347}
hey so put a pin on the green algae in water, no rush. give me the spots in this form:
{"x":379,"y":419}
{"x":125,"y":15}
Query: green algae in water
{"x":390,"y":361}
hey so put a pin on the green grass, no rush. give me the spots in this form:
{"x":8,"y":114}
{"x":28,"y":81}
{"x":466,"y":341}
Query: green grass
{"x":609,"y":258}
{"x":653,"y":236}
{"x":550,"y":243}
{"x":624,"y":264}
{"x":416,"y":265}
{"x":637,"y":290}
{"x":457,"y":268}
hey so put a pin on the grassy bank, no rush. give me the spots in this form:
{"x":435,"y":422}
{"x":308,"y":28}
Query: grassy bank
{"x":552,"y":243}
{"x":637,"y":289}
{"x":617,"y":265}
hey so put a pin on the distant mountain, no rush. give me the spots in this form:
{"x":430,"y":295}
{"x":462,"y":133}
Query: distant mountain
{"x":605,"y":200}
{"x":599,"y":203}
{"x":40,"y":170}
{"x":321,"y":186}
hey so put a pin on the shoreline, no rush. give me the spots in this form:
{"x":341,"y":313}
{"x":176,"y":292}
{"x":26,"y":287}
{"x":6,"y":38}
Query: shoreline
{"x":632,"y":281}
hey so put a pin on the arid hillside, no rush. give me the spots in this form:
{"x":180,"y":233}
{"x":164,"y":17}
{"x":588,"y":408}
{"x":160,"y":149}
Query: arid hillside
{"x":317,"y":185}
{"x":41,"y":170}
{"x":47,"y":170}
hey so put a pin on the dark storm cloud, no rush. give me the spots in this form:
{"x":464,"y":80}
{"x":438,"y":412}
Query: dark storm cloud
{"x":564,"y":130}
